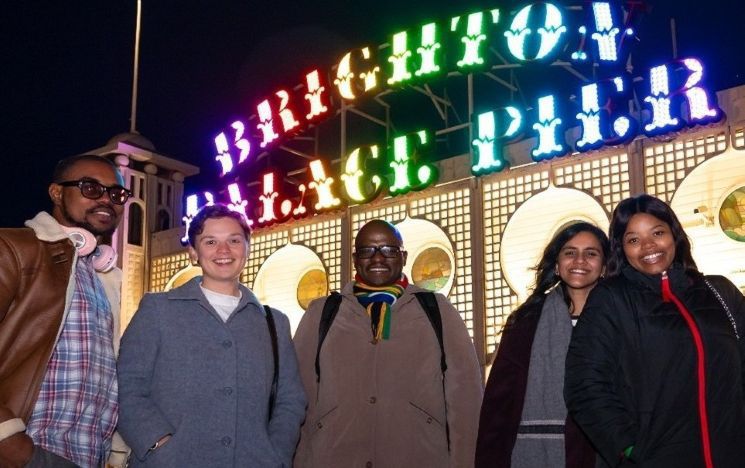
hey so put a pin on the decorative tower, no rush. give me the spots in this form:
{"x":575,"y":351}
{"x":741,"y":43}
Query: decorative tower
{"x":157,"y":185}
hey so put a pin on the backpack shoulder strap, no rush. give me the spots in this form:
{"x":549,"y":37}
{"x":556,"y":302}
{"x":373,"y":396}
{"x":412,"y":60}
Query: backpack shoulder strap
{"x":330,"y":308}
{"x":428,"y":302}
{"x":275,"y":352}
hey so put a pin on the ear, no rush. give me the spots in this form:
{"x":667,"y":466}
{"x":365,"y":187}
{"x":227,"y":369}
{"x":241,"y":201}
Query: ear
{"x":193,"y":256}
{"x":406,"y":255}
{"x":55,"y":194}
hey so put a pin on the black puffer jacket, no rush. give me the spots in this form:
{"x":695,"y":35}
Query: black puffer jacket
{"x":632,"y":379}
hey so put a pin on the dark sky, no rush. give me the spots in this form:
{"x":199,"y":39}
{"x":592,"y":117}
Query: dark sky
{"x":67,"y":68}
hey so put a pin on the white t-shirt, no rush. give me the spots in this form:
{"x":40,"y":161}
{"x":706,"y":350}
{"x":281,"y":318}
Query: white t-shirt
{"x":224,"y":304}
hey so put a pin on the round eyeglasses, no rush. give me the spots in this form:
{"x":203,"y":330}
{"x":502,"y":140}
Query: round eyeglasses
{"x":94,"y":190}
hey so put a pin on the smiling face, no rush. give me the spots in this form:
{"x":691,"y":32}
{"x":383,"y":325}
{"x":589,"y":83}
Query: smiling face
{"x":379,"y":270}
{"x":221,"y":250}
{"x":71,"y":208}
{"x":648,"y":244}
{"x":580,"y":263}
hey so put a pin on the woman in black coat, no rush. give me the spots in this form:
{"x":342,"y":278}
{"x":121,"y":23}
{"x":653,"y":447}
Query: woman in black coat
{"x":523,"y":417}
{"x":655,"y":368}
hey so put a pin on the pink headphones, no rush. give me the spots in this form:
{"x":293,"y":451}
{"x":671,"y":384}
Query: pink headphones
{"x":104,"y":256}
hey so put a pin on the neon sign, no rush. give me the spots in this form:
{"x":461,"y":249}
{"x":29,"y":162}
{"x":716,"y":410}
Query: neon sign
{"x":673,"y":95}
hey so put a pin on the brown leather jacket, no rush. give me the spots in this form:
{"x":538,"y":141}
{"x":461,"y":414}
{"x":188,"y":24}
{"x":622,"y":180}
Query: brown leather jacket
{"x":36,"y":265}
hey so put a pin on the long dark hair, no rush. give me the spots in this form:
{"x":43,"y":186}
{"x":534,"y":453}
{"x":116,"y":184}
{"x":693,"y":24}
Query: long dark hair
{"x":659,"y":209}
{"x":546,"y":277}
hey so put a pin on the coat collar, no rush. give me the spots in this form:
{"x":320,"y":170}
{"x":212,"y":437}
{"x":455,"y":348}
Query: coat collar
{"x":46,"y":228}
{"x":192,"y":292}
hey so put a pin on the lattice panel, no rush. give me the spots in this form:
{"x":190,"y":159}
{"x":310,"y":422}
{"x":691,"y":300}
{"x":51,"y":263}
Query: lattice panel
{"x":132,"y":287}
{"x":607,"y":178}
{"x":163,"y":268}
{"x":324,"y":238}
{"x":667,"y":164}
{"x":391,"y":213}
{"x":738,"y":138}
{"x":262,"y":246}
{"x":501,"y":199}
{"x":452,"y":212}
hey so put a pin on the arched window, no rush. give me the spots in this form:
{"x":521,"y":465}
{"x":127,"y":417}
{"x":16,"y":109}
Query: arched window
{"x":163,"y":221}
{"x":135,"y":224}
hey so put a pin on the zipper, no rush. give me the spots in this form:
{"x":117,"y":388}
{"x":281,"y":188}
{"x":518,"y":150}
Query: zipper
{"x":668,"y":296}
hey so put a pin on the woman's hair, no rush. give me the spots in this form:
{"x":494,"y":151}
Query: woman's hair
{"x":212,"y":212}
{"x":655,"y":207}
{"x":546,"y":277}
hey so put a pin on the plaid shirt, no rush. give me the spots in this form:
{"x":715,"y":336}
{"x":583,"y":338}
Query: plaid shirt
{"x":76,"y":411}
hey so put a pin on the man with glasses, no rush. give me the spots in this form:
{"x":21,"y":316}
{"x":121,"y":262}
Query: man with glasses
{"x":59,"y":330}
{"x":384,"y":390}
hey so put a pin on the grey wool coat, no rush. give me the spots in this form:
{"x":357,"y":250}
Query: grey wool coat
{"x":184,"y":371}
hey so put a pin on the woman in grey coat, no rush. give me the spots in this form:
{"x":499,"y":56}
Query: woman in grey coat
{"x":196,"y":367}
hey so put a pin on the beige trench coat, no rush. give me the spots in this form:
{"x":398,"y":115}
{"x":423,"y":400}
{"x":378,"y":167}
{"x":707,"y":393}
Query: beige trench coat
{"x":383,"y":405}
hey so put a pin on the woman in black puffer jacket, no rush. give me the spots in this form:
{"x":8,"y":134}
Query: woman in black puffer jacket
{"x":655,"y":368}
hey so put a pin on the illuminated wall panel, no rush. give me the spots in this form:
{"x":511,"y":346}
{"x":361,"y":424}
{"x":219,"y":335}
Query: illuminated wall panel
{"x":391,"y":213}
{"x":667,"y":164}
{"x":697,"y":202}
{"x":262,"y":246}
{"x":324,"y":238}
{"x":502,"y":196}
{"x":738,"y":137}
{"x":606,"y":178}
{"x":134,"y":266}
{"x":163,"y":268}
{"x":452,"y":212}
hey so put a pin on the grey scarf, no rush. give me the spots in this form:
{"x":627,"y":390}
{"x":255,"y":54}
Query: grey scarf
{"x":540,"y":437}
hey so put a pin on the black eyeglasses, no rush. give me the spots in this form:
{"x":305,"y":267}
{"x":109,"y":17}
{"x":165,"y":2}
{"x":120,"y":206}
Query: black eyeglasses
{"x":388,"y":251}
{"x":93,"y":190}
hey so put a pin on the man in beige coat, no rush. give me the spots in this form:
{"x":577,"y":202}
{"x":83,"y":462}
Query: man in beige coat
{"x":381,"y":398}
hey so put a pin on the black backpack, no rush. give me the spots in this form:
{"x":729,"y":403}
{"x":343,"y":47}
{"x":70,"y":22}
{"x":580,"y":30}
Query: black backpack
{"x":426,"y":299}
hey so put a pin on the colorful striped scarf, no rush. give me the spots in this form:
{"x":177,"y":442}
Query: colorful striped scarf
{"x":378,"y":302}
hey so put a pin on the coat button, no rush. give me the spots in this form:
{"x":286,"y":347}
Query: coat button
{"x":368,"y":464}
{"x":227,"y":391}
{"x":227,"y":344}
{"x":226,"y":441}
{"x":373,"y":400}
{"x":319,"y":425}
{"x":429,"y":420}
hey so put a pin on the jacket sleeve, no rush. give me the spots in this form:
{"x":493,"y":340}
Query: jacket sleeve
{"x":141,"y":422}
{"x":289,"y":407}
{"x":464,"y":389}
{"x":10,"y":423}
{"x":736,"y":303}
{"x":306,"y":343}
{"x":504,"y":397}
{"x":593,"y":377}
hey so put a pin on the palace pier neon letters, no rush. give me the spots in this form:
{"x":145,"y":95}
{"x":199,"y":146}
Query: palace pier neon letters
{"x":673,"y":96}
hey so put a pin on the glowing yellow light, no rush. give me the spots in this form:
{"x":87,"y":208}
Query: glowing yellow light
{"x":323,"y":186}
{"x":355,"y":179}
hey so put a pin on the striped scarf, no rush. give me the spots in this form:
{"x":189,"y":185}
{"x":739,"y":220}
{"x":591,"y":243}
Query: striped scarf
{"x":378,"y":302}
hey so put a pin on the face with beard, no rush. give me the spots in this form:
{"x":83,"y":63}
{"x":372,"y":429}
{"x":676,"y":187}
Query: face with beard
{"x":71,"y":208}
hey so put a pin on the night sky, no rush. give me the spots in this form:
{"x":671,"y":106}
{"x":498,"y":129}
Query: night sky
{"x":67,"y":68}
